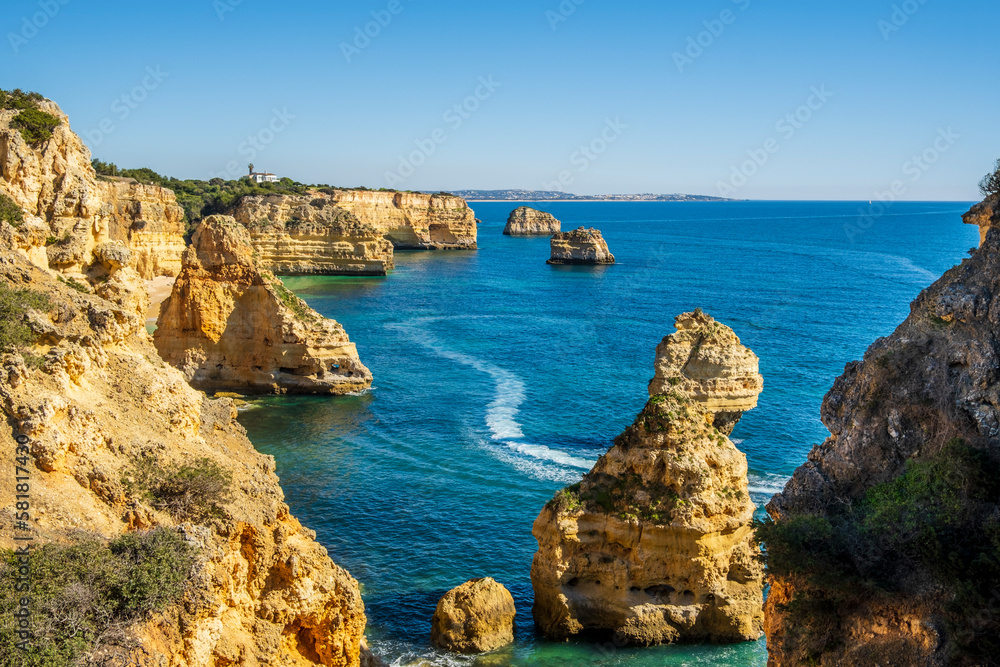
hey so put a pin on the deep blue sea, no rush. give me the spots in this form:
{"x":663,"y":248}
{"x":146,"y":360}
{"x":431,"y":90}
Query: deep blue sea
{"x":500,"y":379}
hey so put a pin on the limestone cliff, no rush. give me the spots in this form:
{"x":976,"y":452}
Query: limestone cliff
{"x":526,"y":221}
{"x":413,"y":221}
{"x":263,"y":591}
{"x":230,"y":325}
{"x":580,"y":246}
{"x":56,"y":187}
{"x":655,"y":544}
{"x":312,"y":235}
{"x":886,"y":544}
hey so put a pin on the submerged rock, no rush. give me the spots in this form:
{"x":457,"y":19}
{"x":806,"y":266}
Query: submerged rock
{"x":526,"y":221}
{"x":230,"y":325}
{"x":476,"y":617}
{"x":580,"y":246}
{"x":656,"y":544}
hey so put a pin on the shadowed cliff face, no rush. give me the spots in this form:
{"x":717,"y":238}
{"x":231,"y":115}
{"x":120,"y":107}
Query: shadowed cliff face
{"x":655,"y":544}
{"x":898,"y":500}
{"x":231,"y":326}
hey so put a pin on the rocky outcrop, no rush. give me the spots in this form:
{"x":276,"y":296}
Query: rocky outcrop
{"x":525,"y":221}
{"x":895,"y":510}
{"x":313,"y":236}
{"x":263,"y":590}
{"x":984,"y":215}
{"x":152,"y":223}
{"x":580,"y":246}
{"x":56,"y":187}
{"x":655,"y":544}
{"x":476,"y":617}
{"x":706,"y":362}
{"x":413,"y":221}
{"x":230,"y":325}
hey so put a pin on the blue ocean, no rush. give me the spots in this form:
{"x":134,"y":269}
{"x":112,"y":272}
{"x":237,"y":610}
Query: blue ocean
{"x":500,"y":379}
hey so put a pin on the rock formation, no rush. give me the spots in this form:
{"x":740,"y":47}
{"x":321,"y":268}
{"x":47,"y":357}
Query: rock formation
{"x":74,"y":211}
{"x":476,"y":617}
{"x":525,"y":221}
{"x":312,"y":235}
{"x":413,"y":221}
{"x":985,"y":215}
{"x":263,"y":591}
{"x":655,"y":544}
{"x":580,"y":246}
{"x":886,"y":541}
{"x":705,"y":361}
{"x":230,"y":325}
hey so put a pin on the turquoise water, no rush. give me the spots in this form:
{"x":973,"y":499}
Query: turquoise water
{"x":499,"y":379}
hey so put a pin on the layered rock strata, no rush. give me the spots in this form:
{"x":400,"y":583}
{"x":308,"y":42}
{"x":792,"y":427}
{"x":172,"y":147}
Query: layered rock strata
{"x":74,"y":211}
{"x":476,"y":617}
{"x":526,"y":221}
{"x":655,"y":544}
{"x":313,"y":236}
{"x":580,"y":246}
{"x":908,"y":579}
{"x":413,"y":221}
{"x":230,"y":325}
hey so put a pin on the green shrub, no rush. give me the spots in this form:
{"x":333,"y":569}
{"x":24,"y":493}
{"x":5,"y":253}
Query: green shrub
{"x":15,"y":334}
{"x":75,"y":284}
{"x":10,"y":212}
{"x":18,"y":99}
{"x":192,"y":491}
{"x":85,"y":595}
{"x":990,"y":185}
{"x":36,"y":126}
{"x":937,"y":523}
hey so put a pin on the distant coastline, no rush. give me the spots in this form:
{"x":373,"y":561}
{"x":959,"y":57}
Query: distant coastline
{"x":556,"y":196}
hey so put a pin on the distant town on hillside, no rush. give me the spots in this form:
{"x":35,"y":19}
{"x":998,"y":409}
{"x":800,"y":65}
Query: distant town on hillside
{"x":554,"y":195}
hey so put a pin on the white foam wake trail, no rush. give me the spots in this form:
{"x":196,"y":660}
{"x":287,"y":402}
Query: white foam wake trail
{"x":501,"y":416}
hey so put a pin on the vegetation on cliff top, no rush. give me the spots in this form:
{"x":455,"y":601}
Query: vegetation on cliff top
{"x":990,"y":185}
{"x":84,"y":596}
{"x":10,"y":212}
{"x":937,"y":522}
{"x":35,"y":125}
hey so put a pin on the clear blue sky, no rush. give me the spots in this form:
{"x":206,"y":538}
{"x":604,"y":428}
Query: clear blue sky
{"x":681,"y":128}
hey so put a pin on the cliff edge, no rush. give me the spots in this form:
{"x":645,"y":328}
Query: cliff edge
{"x":885,"y":545}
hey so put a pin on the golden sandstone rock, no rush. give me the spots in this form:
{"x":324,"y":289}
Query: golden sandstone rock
{"x":413,"y":221}
{"x":705,"y":361}
{"x":231,"y":326}
{"x":312,"y":235}
{"x":74,"y":211}
{"x":263,"y":591}
{"x":476,"y":617}
{"x":985,"y":214}
{"x":580,"y":246}
{"x":526,"y":221}
{"x":655,"y":544}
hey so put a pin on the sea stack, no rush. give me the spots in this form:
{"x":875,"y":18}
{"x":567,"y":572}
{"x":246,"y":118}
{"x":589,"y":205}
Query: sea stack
{"x":230,"y":325}
{"x":656,"y":543}
{"x":580,"y":246}
{"x":476,"y":617}
{"x":526,"y":221}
